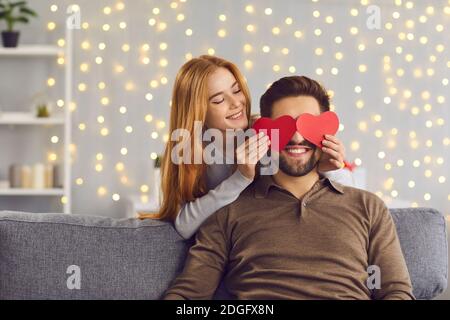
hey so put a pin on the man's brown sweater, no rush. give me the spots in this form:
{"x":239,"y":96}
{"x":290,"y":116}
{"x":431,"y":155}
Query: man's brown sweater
{"x":270,"y":245}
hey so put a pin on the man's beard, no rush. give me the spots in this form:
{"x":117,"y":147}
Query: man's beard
{"x":297,"y":169}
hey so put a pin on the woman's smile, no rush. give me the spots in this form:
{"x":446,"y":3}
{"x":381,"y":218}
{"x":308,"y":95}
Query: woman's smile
{"x":236,"y":116}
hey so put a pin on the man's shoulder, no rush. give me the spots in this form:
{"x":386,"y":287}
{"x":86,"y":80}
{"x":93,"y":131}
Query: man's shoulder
{"x":368,"y":202}
{"x":362,"y":194}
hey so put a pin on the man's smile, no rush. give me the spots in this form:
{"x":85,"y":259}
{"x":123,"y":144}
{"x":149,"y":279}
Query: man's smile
{"x":297,"y":151}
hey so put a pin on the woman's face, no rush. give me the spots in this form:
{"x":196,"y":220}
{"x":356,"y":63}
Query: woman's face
{"x":226,"y":102}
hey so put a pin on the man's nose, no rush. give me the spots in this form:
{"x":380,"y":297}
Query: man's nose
{"x":297,"y":138}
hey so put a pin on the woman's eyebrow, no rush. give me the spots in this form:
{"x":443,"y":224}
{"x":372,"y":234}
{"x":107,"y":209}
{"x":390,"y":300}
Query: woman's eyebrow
{"x":221,"y":92}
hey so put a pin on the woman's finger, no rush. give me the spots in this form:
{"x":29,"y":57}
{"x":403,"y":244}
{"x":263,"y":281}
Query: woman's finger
{"x":248,"y":154}
{"x":255,"y":145}
{"x":261,"y":142}
{"x":336,"y":147}
{"x":258,"y":153}
{"x":253,"y":158}
{"x":332,"y":138}
{"x":250,"y":141}
{"x":262,"y":153}
{"x":258,"y":156}
{"x":336,"y":163}
{"x":335,"y":155}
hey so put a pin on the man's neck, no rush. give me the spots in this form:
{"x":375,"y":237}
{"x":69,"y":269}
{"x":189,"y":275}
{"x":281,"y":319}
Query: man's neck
{"x":298,"y":186}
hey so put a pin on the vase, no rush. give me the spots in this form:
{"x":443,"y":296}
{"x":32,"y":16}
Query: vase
{"x":10,"y":39}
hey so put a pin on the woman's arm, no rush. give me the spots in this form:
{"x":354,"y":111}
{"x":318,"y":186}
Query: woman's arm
{"x":342,"y":176}
{"x":194,"y":213}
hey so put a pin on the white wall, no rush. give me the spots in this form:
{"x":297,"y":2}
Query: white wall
{"x":22,"y":78}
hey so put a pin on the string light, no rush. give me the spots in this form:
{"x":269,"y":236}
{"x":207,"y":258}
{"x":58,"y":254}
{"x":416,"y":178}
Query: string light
{"x":120,"y":6}
{"x":148,"y":118}
{"x":51,"y":26}
{"x":104,"y":132}
{"x":51,"y":82}
{"x":298,"y":34}
{"x":401,"y":63}
{"x":101,"y":191}
{"x":162,"y":26}
{"x":120,"y":166}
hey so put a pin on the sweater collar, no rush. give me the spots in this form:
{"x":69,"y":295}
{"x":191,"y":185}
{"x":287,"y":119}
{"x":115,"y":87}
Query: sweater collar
{"x":265,"y":182}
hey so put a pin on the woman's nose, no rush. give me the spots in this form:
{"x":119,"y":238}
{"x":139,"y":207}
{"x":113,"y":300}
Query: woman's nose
{"x":234,"y":103}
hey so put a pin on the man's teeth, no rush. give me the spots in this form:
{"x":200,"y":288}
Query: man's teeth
{"x":237,"y":115}
{"x":296,"y":150}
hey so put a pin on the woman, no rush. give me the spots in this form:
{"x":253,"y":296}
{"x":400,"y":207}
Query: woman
{"x":212,"y":90}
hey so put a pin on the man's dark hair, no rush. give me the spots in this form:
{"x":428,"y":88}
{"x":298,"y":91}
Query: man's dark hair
{"x":293,"y":86}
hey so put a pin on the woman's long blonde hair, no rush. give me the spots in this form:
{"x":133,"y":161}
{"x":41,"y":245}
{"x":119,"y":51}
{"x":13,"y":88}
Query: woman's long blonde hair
{"x":185,"y":182}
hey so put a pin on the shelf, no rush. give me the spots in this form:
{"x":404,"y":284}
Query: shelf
{"x":32,"y":50}
{"x":43,"y":53}
{"x":31,"y":192}
{"x":27,"y":118}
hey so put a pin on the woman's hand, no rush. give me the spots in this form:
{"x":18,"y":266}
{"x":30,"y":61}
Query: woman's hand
{"x":333,"y":154}
{"x":250,"y":152}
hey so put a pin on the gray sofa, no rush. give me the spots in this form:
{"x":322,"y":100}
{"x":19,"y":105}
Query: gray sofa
{"x":57,"y":256}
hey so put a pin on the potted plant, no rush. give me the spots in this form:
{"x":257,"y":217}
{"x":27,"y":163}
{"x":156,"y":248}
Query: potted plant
{"x":42,"y":111}
{"x":12,"y":13}
{"x":40,"y":105}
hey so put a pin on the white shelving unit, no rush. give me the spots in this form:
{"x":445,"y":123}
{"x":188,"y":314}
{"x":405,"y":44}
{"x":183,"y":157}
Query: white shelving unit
{"x":31,"y":192}
{"x":20,"y":119}
{"x":32,"y":51}
{"x":27,"y":118}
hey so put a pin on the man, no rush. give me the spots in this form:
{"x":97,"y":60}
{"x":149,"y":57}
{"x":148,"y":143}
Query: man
{"x":296,"y":235}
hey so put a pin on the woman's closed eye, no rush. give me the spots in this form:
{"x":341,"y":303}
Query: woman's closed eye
{"x":235,"y":91}
{"x":236,"y":88}
{"x":218,"y":102}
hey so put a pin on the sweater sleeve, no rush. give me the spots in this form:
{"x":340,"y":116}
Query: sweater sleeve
{"x":205,"y":263}
{"x":385,"y":253}
{"x":342,"y":176}
{"x":194,"y":213}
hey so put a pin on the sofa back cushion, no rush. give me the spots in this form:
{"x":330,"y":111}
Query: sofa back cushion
{"x":58,"y":256}
{"x":108,"y":258}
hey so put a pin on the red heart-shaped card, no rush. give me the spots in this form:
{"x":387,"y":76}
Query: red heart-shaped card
{"x":285,"y":126}
{"x":314,"y":128}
